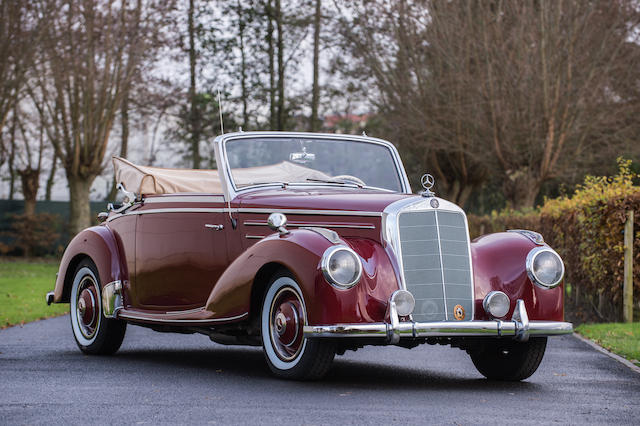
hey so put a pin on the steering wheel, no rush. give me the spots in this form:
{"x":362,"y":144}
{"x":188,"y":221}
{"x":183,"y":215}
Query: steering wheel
{"x":350,"y":178}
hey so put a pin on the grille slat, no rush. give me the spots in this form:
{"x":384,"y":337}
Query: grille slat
{"x":436,"y":266}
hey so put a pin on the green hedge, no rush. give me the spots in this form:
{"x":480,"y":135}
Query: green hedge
{"x":587,"y":230}
{"x":45,"y":234}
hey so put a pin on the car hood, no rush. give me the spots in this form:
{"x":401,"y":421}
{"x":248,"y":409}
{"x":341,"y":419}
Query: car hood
{"x":353,"y":199}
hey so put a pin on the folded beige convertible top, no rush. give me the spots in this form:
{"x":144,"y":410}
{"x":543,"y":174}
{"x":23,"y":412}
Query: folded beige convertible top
{"x":145,"y":180}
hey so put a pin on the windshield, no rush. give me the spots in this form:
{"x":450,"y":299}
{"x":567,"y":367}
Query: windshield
{"x":291,"y":160}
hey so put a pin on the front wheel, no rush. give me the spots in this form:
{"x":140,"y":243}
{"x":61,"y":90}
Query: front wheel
{"x":508,"y":359}
{"x":288,"y":353}
{"x":94,"y":333}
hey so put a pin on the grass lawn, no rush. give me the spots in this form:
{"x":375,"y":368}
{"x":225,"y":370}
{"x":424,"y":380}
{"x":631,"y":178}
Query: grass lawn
{"x":23,"y":286}
{"x":620,"y":338}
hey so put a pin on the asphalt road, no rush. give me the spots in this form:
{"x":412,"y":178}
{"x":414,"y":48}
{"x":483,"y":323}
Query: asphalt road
{"x":159,"y":378}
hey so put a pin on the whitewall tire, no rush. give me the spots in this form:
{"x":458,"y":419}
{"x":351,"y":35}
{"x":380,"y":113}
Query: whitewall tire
{"x":93,"y":333}
{"x":288,"y":353}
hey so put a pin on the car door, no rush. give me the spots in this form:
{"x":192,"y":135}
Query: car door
{"x":180,"y":254}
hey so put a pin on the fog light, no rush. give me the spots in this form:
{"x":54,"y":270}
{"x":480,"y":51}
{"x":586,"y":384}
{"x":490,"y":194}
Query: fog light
{"x":404,"y":302}
{"x":496,"y":304}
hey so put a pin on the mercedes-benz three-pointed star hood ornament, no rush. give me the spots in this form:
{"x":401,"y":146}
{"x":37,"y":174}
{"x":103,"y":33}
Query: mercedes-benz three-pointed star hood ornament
{"x":427,"y":182}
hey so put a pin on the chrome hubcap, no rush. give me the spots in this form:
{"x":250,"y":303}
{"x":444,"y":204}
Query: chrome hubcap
{"x":286,"y":321}
{"x":87,"y":309}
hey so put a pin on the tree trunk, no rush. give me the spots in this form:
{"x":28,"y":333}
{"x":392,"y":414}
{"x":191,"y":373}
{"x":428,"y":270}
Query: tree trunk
{"x":30,"y":182}
{"x":79,"y":207}
{"x":243,"y":66}
{"x":315,"y":91}
{"x":51,"y":178}
{"x":271,"y":53}
{"x":280,"y":47}
{"x":12,"y":156}
{"x":521,"y":189}
{"x":194,"y":116}
{"x":124,"y":141}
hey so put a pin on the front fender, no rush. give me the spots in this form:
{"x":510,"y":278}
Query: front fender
{"x":499,"y":264}
{"x":98,"y":243}
{"x":301,"y":252}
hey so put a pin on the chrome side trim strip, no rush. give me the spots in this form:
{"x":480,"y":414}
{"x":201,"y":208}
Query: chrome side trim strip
{"x":188,"y":311}
{"x":226,"y":210}
{"x":154,"y":318}
{"x":313,"y":224}
{"x":310,"y":212}
{"x":171,"y":198}
{"x":169,"y":210}
{"x":255,"y":237}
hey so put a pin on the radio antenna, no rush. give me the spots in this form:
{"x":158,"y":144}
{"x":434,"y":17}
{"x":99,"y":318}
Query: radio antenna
{"x":220,"y":110}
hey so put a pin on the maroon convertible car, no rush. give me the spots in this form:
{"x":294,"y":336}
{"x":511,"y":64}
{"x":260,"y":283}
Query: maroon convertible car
{"x":308,"y":245}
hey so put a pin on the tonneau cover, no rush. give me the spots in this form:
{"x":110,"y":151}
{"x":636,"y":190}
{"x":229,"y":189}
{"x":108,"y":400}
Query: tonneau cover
{"x":145,"y":180}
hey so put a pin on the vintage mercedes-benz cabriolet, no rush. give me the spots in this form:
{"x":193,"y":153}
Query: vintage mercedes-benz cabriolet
{"x":308,"y":245}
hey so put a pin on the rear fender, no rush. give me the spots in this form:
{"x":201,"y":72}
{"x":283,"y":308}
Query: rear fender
{"x":97,"y":243}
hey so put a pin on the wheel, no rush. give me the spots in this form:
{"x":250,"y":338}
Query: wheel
{"x":288,"y":353}
{"x":508,"y":359}
{"x":94,"y":333}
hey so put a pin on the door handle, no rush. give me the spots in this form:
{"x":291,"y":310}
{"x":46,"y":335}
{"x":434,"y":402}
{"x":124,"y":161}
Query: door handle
{"x":214,"y":227}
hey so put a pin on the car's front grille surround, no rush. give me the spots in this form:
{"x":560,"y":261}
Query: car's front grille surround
{"x":436,"y":264}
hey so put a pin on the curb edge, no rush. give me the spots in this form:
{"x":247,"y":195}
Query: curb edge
{"x":599,"y":348}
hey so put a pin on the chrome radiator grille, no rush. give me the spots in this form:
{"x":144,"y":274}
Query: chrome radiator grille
{"x":435,"y":263}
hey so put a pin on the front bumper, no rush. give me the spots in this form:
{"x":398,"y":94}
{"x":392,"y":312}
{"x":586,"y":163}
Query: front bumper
{"x":519,"y":328}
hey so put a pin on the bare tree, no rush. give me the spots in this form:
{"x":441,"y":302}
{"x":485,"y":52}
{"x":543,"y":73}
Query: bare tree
{"x":315,"y":89}
{"x":20,"y":32}
{"x":525,"y":90}
{"x":30,"y":144}
{"x":195,"y":118}
{"x":86,"y":66}
{"x":389,"y":41}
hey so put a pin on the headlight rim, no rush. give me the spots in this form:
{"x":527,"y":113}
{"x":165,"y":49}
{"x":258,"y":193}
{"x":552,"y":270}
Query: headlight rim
{"x":324,"y":265}
{"x":531,"y":256}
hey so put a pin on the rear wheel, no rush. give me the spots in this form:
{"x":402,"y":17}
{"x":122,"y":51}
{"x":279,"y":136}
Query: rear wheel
{"x":508,"y":359}
{"x":94,"y":333}
{"x":288,"y":353}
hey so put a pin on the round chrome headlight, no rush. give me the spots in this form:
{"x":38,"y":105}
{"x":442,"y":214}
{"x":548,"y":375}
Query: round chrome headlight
{"x":341,"y":267}
{"x":496,"y":304}
{"x":545,"y":267}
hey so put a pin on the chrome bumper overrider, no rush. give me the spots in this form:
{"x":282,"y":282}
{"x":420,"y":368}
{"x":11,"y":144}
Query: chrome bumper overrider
{"x":519,"y":328}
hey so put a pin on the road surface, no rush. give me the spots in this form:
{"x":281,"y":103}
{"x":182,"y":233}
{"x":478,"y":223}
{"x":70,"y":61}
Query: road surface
{"x":159,"y":378}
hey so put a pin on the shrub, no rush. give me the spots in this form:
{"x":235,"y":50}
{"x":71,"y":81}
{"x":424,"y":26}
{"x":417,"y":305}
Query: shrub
{"x":33,"y":235}
{"x":587,"y":230}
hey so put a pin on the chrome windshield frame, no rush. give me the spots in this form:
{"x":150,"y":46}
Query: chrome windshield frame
{"x":231,"y":191}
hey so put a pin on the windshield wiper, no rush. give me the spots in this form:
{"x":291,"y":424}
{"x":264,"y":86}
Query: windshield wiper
{"x":339,"y":182}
